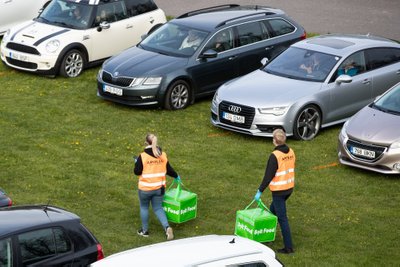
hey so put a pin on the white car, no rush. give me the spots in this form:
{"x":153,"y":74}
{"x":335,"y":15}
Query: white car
{"x":202,"y":251}
{"x":13,"y":12}
{"x":70,"y":35}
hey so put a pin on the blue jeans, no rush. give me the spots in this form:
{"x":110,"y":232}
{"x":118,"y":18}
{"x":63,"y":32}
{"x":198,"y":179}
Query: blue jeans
{"x":278,"y":207}
{"x":156,"y":199}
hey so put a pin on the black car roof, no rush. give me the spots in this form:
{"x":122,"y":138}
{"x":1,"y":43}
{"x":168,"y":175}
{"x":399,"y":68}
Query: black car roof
{"x":213,"y":17}
{"x":17,"y":218}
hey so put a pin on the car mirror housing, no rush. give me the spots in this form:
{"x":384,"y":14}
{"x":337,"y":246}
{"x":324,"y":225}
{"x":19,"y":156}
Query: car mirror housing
{"x":103,"y":25}
{"x":210,"y":53}
{"x":344,"y":79}
{"x":264,"y":61}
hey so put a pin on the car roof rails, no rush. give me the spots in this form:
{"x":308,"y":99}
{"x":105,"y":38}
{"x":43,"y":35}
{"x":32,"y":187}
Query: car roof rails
{"x":267,"y":13}
{"x":208,"y":9}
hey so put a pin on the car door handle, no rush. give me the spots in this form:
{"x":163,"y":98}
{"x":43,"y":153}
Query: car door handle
{"x":269,"y":47}
{"x":151,"y":20}
{"x":232,"y":58}
{"x":7,"y":1}
{"x":366,"y":81}
{"x":129,"y":26}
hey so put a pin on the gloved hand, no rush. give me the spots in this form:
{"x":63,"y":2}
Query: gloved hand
{"x":178,"y":179}
{"x":258,"y":195}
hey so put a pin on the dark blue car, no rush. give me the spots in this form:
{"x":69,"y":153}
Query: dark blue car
{"x":193,"y":54}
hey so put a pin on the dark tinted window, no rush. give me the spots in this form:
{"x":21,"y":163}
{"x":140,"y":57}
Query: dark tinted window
{"x":136,"y":7}
{"x":280,"y":27}
{"x":36,"y":246}
{"x":250,"y":33}
{"x":380,"y":57}
{"x":6,"y":253}
{"x":63,"y":244}
{"x":111,"y":12}
{"x":253,"y":264}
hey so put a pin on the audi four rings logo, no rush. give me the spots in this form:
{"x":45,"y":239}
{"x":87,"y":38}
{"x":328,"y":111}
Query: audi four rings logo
{"x":234,"y":109}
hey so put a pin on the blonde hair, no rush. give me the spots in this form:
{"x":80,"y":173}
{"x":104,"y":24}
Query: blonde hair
{"x":279,"y":136}
{"x":151,"y":140}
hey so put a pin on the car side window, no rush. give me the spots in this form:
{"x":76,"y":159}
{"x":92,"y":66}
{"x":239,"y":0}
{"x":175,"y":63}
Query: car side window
{"x":39,"y":245}
{"x":221,"y":41}
{"x":6,"y":255}
{"x":280,"y":27}
{"x":249,"y":33}
{"x":137,"y":7}
{"x":380,"y":57}
{"x":353,"y":65}
{"x":111,"y":12}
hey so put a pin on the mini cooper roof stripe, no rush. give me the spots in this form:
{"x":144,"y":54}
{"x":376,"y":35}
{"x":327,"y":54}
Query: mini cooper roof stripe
{"x":49,"y":36}
{"x":12,"y":38}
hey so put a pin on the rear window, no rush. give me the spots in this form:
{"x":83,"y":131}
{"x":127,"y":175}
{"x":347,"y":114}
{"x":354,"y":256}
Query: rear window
{"x":137,"y":7}
{"x":280,"y":27}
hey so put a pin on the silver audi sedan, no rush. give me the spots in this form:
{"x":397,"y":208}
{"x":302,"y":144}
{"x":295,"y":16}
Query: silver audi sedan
{"x":371,"y":138}
{"x":315,"y":83}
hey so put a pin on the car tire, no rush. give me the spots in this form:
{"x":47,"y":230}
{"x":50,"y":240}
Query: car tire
{"x":178,"y":95}
{"x":307,"y":123}
{"x":72,"y":64}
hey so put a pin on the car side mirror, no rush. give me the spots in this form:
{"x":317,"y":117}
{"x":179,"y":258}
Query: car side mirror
{"x":210,"y":53}
{"x":264,"y":61}
{"x":344,"y":79}
{"x":103,"y":25}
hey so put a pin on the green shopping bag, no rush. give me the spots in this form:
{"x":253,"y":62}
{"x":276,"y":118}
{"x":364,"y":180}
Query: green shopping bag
{"x":179,"y":205}
{"x":257,"y":224}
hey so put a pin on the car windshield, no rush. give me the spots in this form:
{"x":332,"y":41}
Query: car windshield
{"x":174,"y":40}
{"x":67,"y":14}
{"x":389,"y":102}
{"x":302,"y":64}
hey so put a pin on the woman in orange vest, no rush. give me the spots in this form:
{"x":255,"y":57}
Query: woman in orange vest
{"x":279,"y":176}
{"x":152,"y":166}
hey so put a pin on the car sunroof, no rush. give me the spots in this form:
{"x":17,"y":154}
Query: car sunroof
{"x":331,"y":42}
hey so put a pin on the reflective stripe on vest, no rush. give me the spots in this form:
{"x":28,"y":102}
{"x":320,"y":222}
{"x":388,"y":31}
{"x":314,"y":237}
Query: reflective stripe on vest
{"x":154,"y":171}
{"x":284,"y":176}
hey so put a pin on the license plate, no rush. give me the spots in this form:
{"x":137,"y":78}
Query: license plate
{"x":363,"y":152}
{"x":18,"y":56}
{"x":233,"y":117}
{"x":112,"y":90}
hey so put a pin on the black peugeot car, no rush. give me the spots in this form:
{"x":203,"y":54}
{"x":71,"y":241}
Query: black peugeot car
{"x":193,"y":54}
{"x":43,"y":235}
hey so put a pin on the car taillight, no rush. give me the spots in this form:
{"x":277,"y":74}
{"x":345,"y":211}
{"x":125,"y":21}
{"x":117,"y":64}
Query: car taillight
{"x":9,"y":202}
{"x":100,"y":254}
{"x":304,"y":36}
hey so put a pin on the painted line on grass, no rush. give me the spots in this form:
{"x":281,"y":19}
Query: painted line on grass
{"x":218,"y":134}
{"x":333,"y":164}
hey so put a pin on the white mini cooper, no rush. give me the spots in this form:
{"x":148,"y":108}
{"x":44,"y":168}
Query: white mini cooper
{"x":71,"y":35}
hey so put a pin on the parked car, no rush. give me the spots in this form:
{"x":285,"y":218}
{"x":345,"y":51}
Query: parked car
{"x":202,"y":251}
{"x":5,"y":200}
{"x":309,"y":86}
{"x":13,"y":12}
{"x":192,"y":55}
{"x":69,"y":35}
{"x":370,"y":139}
{"x":41,"y":235}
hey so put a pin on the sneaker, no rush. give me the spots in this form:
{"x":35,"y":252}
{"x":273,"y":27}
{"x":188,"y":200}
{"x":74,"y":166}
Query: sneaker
{"x":286,"y":250}
{"x":143,"y":233}
{"x":169,"y":233}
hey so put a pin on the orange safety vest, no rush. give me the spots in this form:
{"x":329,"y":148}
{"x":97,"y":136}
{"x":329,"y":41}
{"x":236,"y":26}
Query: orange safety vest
{"x":154,"y":171}
{"x":284,"y":176}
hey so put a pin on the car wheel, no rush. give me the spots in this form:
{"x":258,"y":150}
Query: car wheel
{"x":72,"y":64}
{"x":307,"y":123}
{"x":178,"y":95}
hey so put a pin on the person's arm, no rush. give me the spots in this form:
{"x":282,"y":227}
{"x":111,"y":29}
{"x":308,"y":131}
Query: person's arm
{"x":170,"y":171}
{"x":138,"y":166}
{"x":270,"y":171}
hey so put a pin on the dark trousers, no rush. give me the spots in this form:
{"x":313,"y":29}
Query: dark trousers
{"x":278,"y":207}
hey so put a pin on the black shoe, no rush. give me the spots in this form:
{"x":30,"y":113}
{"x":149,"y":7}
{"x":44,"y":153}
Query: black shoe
{"x":143,"y":233}
{"x":286,"y":250}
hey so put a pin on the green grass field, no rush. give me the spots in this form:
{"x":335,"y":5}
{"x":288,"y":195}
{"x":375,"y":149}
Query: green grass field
{"x":61,"y":144}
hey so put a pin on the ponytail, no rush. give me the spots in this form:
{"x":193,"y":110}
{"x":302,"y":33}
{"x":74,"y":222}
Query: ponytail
{"x":151,"y":139}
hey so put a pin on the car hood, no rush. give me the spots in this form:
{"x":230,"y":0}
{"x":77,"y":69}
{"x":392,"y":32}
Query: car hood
{"x":135,"y":62}
{"x":374,"y":126}
{"x":260,"y":89}
{"x":34,"y":33}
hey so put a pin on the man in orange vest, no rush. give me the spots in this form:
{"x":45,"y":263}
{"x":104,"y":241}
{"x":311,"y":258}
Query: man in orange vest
{"x":279,"y":176}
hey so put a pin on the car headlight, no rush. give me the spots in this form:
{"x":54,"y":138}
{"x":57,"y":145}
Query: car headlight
{"x":395,"y":145}
{"x":215,"y":99}
{"x":277,"y":111}
{"x":146,"y":81}
{"x":343,"y":132}
{"x":52,"y":46}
